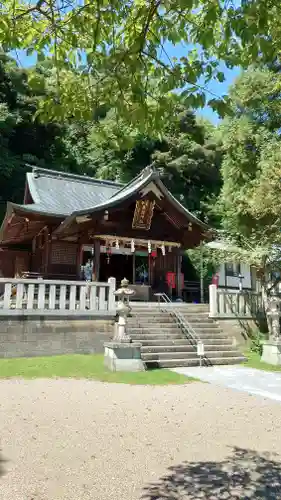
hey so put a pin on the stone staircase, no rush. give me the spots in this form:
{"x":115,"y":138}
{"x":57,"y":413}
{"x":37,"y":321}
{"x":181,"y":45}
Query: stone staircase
{"x":164,"y":343}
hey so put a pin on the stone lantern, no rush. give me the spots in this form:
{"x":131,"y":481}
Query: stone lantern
{"x":121,"y":354}
{"x":123,"y":309}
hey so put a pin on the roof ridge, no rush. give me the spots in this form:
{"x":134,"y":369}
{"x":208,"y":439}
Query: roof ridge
{"x":147,"y":171}
{"x":70,"y":176}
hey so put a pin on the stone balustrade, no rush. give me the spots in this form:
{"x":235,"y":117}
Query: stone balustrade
{"x":234,"y":303}
{"x":46,"y":296}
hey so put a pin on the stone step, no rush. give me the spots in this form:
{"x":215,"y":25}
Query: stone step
{"x":151,"y":334}
{"x":154,"y":328}
{"x":160,"y":316}
{"x":155,"y":336}
{"x":170,"y":317}
{"x":152,"y":324}
{"x":213,"y":335}
{"x":152,"y":356}
{"x":178,"y":363}
{"x":182,"y":309}
{"x":144,"y":337}
{"x":170,"y":314}
{"x":186,"y":348}
{"x":174,"y":342}
{"x":191,"y":310}
{"x":171,"y":323}
{"x":156,"y":333}
{"x":149,"y":320}
{"x":212,"y":331}
{"x":197,"y":317}
{"x":204,"y":323}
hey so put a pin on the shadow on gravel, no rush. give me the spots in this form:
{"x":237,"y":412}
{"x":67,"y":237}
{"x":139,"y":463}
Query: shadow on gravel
{"x":243,"y":475}
{"x":2,"y":467}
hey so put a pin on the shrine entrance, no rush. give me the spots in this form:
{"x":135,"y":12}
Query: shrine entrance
{"x":117,"y":265}
{"x":121,"y":263}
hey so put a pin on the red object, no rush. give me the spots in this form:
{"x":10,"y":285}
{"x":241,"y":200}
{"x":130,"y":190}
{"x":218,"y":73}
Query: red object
{"x":215,"y":279}
{"x":154,"y":254}
{"x":171,"y":279}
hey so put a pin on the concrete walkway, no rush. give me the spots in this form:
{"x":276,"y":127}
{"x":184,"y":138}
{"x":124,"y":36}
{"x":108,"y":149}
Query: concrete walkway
{"x":250,"y":380}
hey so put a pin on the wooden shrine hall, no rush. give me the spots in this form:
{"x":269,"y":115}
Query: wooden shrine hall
{"x":138,"y":231}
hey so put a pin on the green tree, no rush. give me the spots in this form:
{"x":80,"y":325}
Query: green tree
{"x":248,"y":138}
{"x":25,"y":140}
{"x":250,"y":197}
{"x":186,"y":153}
{"x":114,"y":52}
{"x":190,"y":159}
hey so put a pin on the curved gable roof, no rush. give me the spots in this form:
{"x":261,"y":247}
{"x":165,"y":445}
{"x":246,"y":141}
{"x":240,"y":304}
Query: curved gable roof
{"x":148,"y":175}
{"x":60,"y":193}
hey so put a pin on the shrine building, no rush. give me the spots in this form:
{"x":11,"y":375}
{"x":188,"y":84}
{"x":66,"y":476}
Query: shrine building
{"x":138,"y":230}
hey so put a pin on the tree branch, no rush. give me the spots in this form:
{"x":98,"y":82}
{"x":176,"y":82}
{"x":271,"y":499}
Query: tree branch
{"x":36,"y":7}
{"x":152,"y":11}
{"x":170,"y":70}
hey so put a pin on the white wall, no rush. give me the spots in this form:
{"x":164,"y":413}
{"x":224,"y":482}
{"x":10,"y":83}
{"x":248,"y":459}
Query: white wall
{"x":233,"y":281}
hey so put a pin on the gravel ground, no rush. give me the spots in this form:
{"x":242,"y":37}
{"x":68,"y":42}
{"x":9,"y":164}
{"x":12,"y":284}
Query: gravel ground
{"x":81,"y":440}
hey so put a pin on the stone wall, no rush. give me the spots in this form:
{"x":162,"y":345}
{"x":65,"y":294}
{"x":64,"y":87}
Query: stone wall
{"x":43,"y":336}
{"x":240,"y":330}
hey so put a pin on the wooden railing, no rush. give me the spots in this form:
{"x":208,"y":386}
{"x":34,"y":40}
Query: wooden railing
{"x":239,"y":304}
{"x":56,"y":296}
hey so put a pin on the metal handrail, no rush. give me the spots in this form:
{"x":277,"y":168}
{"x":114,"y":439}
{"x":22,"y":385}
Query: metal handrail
{"x":185,"y":325}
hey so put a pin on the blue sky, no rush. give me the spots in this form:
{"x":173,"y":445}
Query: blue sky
{"x":215,"y":87}
{"x":219,"y":89}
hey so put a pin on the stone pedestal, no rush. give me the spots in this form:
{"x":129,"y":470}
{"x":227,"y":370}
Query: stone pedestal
{"x":271,"y":352}
{"x":123,"y":357}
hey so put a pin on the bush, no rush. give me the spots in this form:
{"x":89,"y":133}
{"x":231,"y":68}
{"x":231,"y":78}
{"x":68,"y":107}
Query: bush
{"x":257,"y":339}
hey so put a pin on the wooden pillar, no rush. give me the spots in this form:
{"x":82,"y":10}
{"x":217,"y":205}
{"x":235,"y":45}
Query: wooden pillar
{"x":150,"y":278}
{"x":79,"y":259}
{"x":48,"y":253}
{"x":178,"y":273}
{"x":201,"y":274}
{"x":97,"y":259}
{"x":134,"y":268}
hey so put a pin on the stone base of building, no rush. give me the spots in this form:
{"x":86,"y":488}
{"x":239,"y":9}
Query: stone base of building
{"x":123,"y":357}
{"x":271,"y":352}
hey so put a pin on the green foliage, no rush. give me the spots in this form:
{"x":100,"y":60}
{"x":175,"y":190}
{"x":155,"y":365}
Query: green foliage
{"x":114,"y":52}
{"x":190,"y":159}
{"x":25,"y":140}
{"x":254,"y":361}
{"x":84,"y":366}
{"x":249,"y":202}
{"x":187,"y":153}
{"x":204,"y":261}
{"x":257,"y":343}
{"x":107,"y":147}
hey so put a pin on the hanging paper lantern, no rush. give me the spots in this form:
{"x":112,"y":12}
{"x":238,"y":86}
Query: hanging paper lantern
{"x":163,"y":249}
{"x":149,"y":246}
{"x":132,"y":246}
{"x":108,"y":252}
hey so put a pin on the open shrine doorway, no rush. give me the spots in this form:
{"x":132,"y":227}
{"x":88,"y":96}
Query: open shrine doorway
{"x":125,"y":264}
{"x":118,"y":266}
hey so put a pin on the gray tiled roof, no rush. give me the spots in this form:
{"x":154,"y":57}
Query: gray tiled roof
{"x":67,"y":195}
{"x":60,"y":193}
{"x":143,"y":179}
